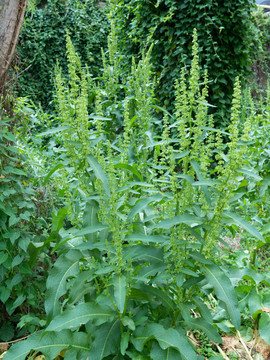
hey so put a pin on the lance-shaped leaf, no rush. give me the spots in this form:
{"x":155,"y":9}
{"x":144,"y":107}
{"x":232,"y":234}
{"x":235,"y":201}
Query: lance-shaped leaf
{"x":91,"y":230}
{"x":188,"y":219}
{"x":201,"y":324}
{"x":53,"y":131}
{"x":224,"y":291}
{"x":161,"y":295}
{"x":146,"y":238}
{"x":237,"y":220}
{"x":65,"y":266}
{"x":99,"y":173}
{"x":107,"y":341}
{"x":166,"y":338}
{"x":120,"y":290}
{"x":50,"y":344}
{"x":90,"y":218}
{"x":130,"y":168}
{"x":80,"y":315}
{"x":204,"y":185}
{"x":142,"y":204}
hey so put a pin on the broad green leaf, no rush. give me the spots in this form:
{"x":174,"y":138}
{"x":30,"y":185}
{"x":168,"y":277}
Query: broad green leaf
{"x":205,"y":190}
{"x":151,"y":270}
{"x":79,"y":315}
{"x":124,"y":342}
{"x":254,"y":301}
{"x":250,"y":173}
{"x":53,"y":131}
{"x":107,"y":341}
{"x":47,"y":177}
{"x":144,"y":252}
{"x":265,"y":228}
{"x":199,"y":257}
{"x":245,"y":225}
{"x":65,"y":266}
{"x":181,"y":155}
{"x":94,"y":117}
{"x":142,"y":204}
{"x":131,"y":169}
{"x":264,"y":327}
{"x":215,"y":130}
{"x":224,"y":291}
{"x":18,"y":302}
{"x":50,"y":344}
{"x":206,"y":327}
{"x":81,"y":285}
{"x":148,"y":289}
{"x":126,"y":321}
{"x":146,"y":238}
{"x":166,"y":338}
{"x":3,"y":257}
{"x":204,"y":310}
{"x":120,"y":284}
{"x":158,"y":354}
{"x":188,"y":219}
{"x":91,"y":230}
{"x":99,"y":173}
{"x":90,"y":218}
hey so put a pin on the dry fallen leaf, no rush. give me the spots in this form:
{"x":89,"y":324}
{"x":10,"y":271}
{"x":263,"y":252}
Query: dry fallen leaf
{"x":3,"y":346}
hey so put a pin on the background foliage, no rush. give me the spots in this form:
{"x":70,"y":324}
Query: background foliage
{"x":25,"y":212}
{"x":225,"y":31}
{"x":41,"y":44}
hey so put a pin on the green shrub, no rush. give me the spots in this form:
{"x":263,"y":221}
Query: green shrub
{"x":41,"y":44}
{"x":25,"y":207}
{"x":148,"y":212}
{"x":225,"y":29}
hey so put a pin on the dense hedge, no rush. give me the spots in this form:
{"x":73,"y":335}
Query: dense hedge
{"x":225,"y":30}
{"x":42,"y":43}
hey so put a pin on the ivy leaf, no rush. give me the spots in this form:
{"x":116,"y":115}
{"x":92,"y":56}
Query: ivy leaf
{"x":224,"y":291}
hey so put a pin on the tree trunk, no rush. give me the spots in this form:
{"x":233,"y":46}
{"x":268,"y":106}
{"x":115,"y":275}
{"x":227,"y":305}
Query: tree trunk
{"x":11,"y":19}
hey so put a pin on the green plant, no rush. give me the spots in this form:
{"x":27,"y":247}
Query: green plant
{"x":132,"y":274}
{"x":24,"y":216}
{"x":226,"y":37}
{"x":40,"y":44}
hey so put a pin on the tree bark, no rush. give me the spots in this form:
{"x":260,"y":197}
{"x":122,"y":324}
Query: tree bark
{"x":11,"y":19}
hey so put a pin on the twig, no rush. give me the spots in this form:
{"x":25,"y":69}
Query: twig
{"x":17,"y":340}
{"x":244,"y":345}
{"x":222,"y":352}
